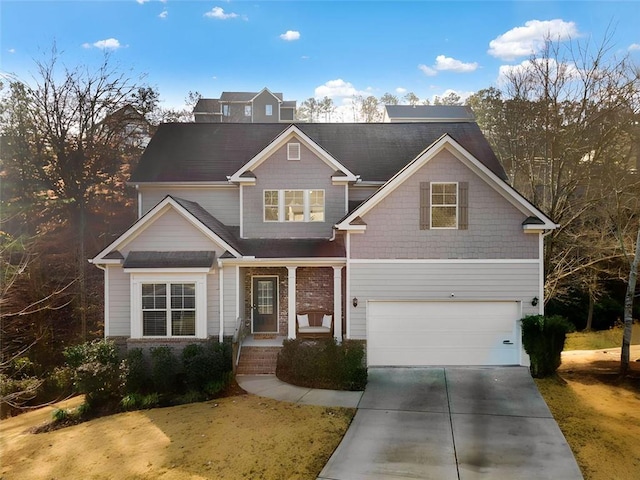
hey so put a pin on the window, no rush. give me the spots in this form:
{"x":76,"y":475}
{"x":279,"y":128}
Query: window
{"x":168,"y":309}
{"x":268,"y":110}
{"x":294,"y":205}
{"x":293,"y":151}
{"x":225,"y":110}
{"x":247,"y":110}
{"x":444,"y":205}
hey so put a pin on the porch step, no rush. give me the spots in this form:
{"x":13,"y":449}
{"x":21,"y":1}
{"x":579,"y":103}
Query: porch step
{"x":258,"y":360}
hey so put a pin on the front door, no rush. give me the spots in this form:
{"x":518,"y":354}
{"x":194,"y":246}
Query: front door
{"x":265,"y":304}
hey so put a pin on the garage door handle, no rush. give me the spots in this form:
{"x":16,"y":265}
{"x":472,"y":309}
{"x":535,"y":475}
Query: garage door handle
{"x":507,"y":342}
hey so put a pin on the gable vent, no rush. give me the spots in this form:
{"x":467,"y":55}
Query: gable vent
{"x":293,"y":151}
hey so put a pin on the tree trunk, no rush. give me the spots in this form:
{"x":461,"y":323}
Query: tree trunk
{"x":592,"y":303}
{"x":628,"y":309}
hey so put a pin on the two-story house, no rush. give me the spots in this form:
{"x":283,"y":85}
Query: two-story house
{"x":245,"y":107}
{"x":407,"y":236}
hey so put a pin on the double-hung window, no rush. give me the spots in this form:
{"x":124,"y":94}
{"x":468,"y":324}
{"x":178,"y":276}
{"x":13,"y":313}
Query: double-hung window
{"x":294,"y":206}
{"x":247,"y":110}
{"x":444,"y":205}
{"x":225,"y":110}
{"x":168,"y":309}
{"x":268,"y":110}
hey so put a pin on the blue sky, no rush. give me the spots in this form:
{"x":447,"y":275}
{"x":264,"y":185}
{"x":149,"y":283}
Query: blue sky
{"x":306,"y":48}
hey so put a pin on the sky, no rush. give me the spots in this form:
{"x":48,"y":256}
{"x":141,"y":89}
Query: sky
{"x":307,"y":48}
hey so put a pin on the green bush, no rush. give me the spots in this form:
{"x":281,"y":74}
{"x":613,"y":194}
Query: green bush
{"x":205,"y":364}
{"x":164,"y":370}
{"x":543,"y":339}
{"x":323,"y":364}
{"x":96,"y":371}
{"x":136,"y":372}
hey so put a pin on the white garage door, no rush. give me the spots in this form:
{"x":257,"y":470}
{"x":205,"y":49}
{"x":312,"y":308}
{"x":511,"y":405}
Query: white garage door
{"x":442,"y":333}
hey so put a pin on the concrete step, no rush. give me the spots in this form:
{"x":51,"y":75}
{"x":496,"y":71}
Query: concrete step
{"x":258,"y":360}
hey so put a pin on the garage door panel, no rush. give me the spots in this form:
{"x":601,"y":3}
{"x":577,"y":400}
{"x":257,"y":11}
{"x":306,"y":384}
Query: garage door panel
{"x":442,"y":333}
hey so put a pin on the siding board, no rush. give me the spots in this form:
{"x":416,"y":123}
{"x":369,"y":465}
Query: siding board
{"x":119,"y":303}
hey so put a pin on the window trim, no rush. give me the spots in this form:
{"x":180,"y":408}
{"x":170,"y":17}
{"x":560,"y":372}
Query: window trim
{"x":268,"y":110}
{"x":293,"y":151}
{"x":247,"y":110}
{"x":226,"y":111}
{"x":200,"y":282}
{"x":282,"y":208}
{"x":433,"y":205}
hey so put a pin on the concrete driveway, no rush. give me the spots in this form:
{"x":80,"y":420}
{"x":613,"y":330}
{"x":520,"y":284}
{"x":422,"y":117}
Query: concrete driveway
{"x":452,"y":423}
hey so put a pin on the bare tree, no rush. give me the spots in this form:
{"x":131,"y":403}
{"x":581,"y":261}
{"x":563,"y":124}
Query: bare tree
{"x":411,"y":98}
{"x":389,"y":99}
{"x":628,"y":308}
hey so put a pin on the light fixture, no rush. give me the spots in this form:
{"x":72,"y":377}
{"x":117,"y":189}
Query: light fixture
{"x":534,"y":301}
{"x":355,"y":302}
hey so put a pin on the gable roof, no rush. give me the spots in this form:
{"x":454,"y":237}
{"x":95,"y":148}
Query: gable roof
{"x":353,"y":220}
{"x":210,"y":152}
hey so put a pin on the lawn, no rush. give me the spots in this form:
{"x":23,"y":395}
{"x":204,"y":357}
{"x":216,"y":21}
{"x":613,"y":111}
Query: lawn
{"x":600,"y":339}
{"x":237,"y":437}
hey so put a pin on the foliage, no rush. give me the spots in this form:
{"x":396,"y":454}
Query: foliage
{"x":204,"y":364}
{"x":543,"y":339}
{"x":96,"y":371}
{"x":136,"y":372}
{"x":165,"y":368}
{"x":323,"y":364}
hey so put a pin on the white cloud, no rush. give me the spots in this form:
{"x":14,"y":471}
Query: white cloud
{"x":529,"y":39}
{"x":305,"y":57}
{"x":634,"y":47}
{"x":107,"y":44}
{"x":290,"y":35}
{"x":142,"y":1}
{"x":336,"y":89}
{"x":12,"y":50}
{"x":401,"y":91}
{"x":451,"y":64}
{"x":164,"y":14}
{"x":428,"y":71}
{"x":527,"y":67}
{"x":218,"y":13}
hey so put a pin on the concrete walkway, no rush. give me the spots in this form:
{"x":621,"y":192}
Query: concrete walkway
{"x":271,"y":387}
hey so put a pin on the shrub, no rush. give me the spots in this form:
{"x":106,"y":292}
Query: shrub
{"x":96,"y":371}
{"x":136,"y":372}
{"x":323,"y":364}
{"x":164,"y":369}
{"x":206,"y":364}
{"x":543,"y":339}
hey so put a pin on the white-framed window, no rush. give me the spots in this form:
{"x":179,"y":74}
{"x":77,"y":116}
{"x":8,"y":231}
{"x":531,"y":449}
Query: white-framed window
{"x":444,"y":205}
{"x":170,"y":305}
{"x":247,"y":110}
{"x":268,"y":110}
{"x":293,"y":151}
{"x":225,"y":110}
{"x":293,"y":205}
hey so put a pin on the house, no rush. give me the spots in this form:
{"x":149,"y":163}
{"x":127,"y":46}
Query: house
{"x":406,"y":235}
{"x":132,"y":128}
{"x":427,"y":113}
{"x":245,"y":107}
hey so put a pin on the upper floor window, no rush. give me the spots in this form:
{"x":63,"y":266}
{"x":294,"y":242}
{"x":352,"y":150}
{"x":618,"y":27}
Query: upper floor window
{"x":294,"y":205}
{"x":225,"y":110}
{"x":444,"y":205}
{"x":247,"y":110}
{"x":293,"y":151}
{"x":268,"y":110}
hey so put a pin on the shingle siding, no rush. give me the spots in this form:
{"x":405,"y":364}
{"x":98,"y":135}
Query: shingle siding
{"x":437,"y":281}
{"x":278,"y":173}
{"x":494,"y":229}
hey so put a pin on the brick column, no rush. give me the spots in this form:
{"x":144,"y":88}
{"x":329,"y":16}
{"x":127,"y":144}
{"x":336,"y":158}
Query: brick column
{"x":337,"y":303}
{"x":291,"y":284}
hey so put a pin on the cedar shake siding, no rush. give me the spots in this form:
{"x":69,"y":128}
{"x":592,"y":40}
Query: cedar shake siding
{"x":278,"y":173}
{"x":494,"y":230}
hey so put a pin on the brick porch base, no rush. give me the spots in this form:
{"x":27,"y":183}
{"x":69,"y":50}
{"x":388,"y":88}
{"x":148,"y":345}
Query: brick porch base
{"x":258,"y":360}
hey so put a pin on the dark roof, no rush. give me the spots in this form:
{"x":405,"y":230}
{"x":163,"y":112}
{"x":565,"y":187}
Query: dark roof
{"x":431,"y":112}
{"x":115,"y":255}
{"x":211,"y":222}
{"x":169,"y":260}
{"x":199,"y":152}
{"x":207,"y":105}
{"x":288,"y":104}
{"x":292,"y":247}
{"x":532,"y":221}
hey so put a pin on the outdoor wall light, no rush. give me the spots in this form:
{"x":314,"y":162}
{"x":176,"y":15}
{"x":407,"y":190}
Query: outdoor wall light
{"x":534,"y":301}
{"x":355,"y":302}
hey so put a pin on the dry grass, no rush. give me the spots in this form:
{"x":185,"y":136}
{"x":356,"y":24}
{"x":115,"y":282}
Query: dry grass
{"x":236,"y":437}
{"x":598,"y":340}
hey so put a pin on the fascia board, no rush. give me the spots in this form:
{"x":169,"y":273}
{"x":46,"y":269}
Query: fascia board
{"x":265,"y":90}
{"x":288,"y":133}
{"x":216,"y":184}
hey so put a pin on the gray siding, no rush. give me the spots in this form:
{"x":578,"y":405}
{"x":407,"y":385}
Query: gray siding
{"x":213,"y":305}
{"x":287,"y":114}
{"x":495,"y":226}
{"x":278,"y":173}
{"x":437,"y":281}
{"x":229,"y":293}
{"x":259,"y":104}
{"x":221,"y":202}
{"x":171,"y":232}
{"x":119,"y":304}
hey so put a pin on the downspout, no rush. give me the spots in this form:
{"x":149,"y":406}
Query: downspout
{"x":221,"y":302}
